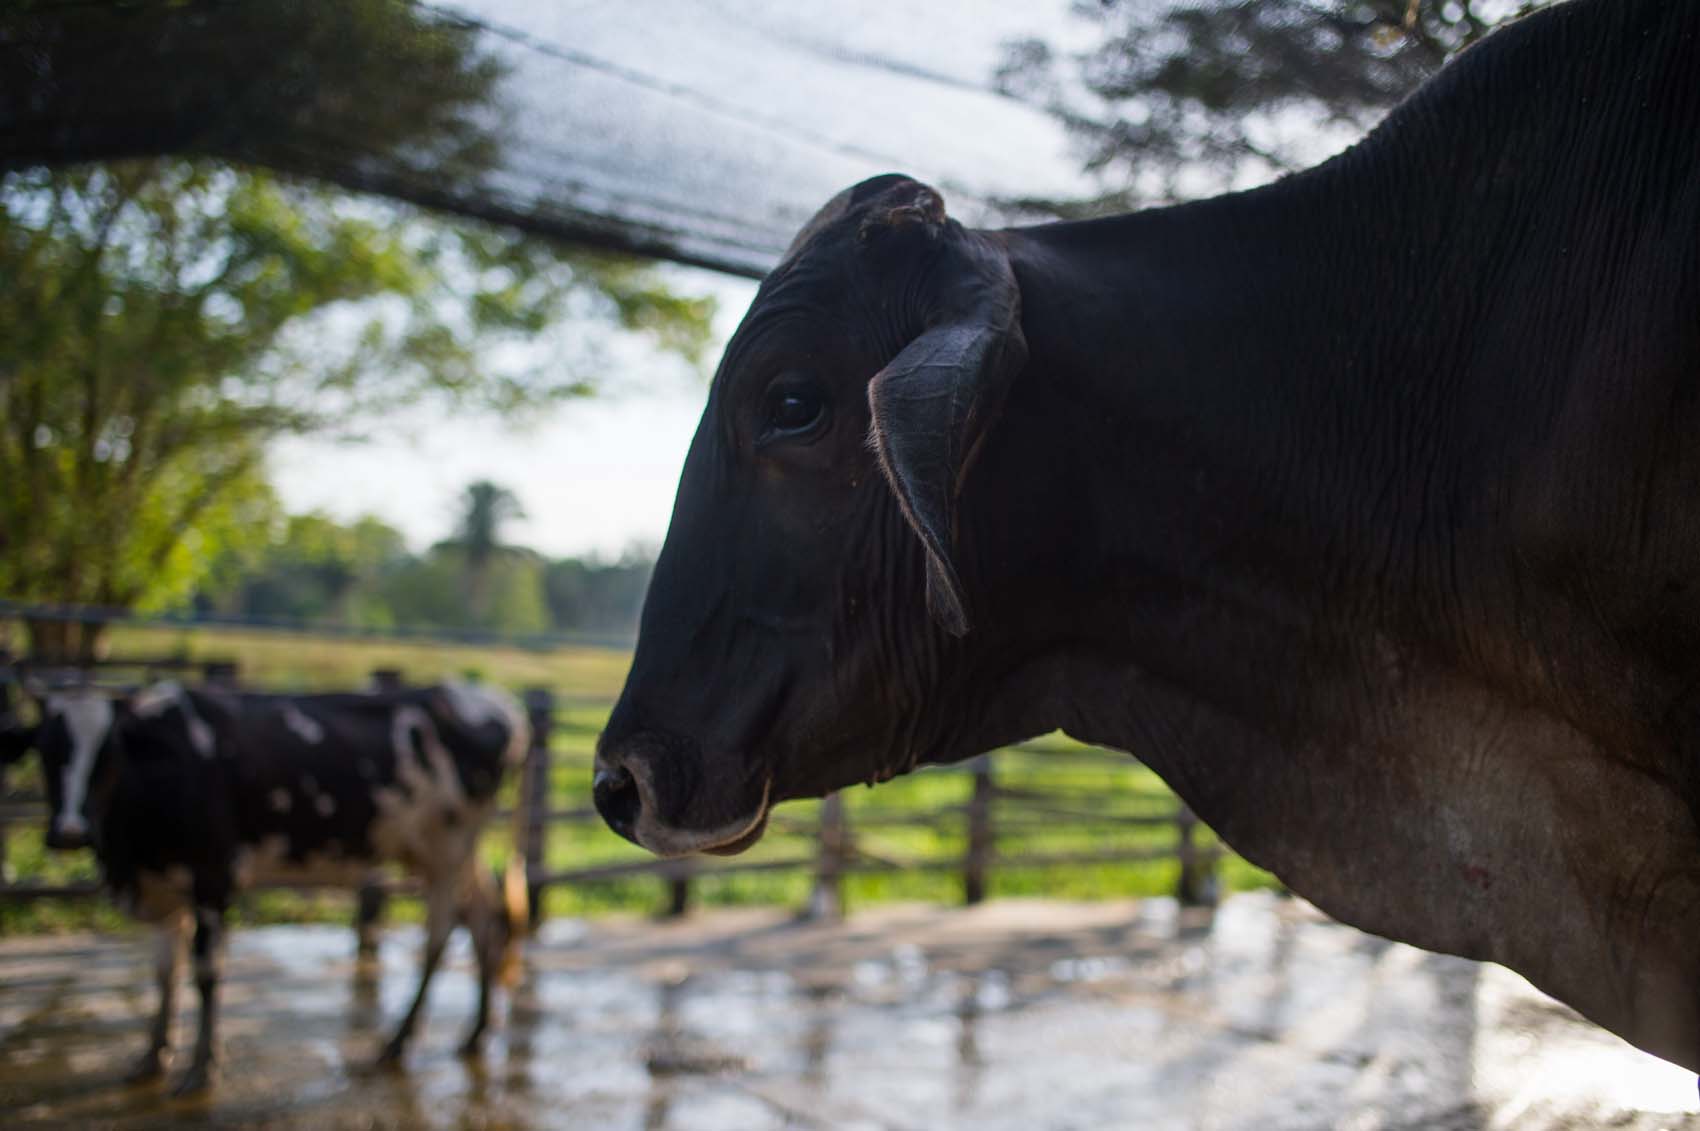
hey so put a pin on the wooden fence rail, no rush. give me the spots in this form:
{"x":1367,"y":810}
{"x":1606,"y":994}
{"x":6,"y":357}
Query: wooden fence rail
{"x":992,"y":810}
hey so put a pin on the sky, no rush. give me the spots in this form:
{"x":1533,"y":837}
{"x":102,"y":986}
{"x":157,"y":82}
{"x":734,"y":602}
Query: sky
{"x":594,"y":476}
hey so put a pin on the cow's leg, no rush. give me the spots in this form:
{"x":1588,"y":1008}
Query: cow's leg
{"x":439,"y":921}
{"x":168,"y":953}
{"x":480,"y":913}
{"x":209,"y":961}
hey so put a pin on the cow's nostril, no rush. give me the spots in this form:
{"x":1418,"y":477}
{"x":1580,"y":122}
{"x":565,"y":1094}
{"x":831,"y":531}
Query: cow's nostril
{"x":617,"y":799}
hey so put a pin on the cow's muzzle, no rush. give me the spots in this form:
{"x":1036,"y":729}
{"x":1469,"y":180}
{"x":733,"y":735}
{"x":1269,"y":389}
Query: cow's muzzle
{"x":66,"y":836}
{"x":625,"y":793}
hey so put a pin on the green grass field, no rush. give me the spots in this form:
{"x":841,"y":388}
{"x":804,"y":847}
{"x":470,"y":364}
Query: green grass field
{"x":585,"y":680}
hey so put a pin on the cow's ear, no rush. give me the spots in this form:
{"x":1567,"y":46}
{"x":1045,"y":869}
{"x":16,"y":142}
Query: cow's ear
{"x":933,"y":404}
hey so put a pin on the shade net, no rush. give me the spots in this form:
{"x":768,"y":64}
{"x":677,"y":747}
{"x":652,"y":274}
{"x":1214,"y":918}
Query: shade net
{"x":702,"y":131}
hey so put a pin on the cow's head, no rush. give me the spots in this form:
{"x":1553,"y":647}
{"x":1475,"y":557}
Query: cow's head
{"x":78,"y":761}
{"x":810,"y":598}
{"x":89,"y":737}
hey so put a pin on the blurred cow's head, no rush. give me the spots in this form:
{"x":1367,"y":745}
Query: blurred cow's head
{"x":808,"y":603}
{"x":78,"y":763}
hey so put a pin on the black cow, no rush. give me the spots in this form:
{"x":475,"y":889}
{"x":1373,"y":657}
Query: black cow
{"x":1364,"y":507}
{"x":188,"y":796}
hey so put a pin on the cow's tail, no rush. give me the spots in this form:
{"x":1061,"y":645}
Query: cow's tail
{"x":516,"y":884}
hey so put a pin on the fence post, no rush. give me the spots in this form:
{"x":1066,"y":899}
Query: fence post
{"x":976,"y":863}
{"x":540,"y":710}
{"x":220,"y":673}
{"x":827,"y":899}
{"x":6,"y":709}
{"x":372,"y":899}
{"x":678,"y":893}
{"x":1197,"y":884}
{"x":5,"y":869}
{"x":369,"y":904}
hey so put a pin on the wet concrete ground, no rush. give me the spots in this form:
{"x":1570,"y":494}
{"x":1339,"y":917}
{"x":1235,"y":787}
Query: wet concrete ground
{"x":1015,"y":1015}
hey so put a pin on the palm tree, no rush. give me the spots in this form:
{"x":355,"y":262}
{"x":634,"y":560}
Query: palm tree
{"x":485,"y":508}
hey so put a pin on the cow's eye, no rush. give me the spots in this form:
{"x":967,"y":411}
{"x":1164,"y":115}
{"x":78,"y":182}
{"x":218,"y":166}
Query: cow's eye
{"x":792,"y":408}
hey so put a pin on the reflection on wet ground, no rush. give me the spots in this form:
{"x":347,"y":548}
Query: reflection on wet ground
{"x":1014,"y":1015}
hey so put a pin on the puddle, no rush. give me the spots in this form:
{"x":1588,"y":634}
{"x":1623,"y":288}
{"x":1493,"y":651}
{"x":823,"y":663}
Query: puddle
{"x":1019,"y":1016}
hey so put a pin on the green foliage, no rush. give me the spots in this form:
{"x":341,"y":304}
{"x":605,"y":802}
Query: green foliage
{"x":477,"y":545}
{"x":386,"y":90}
{"x":431,"y":590}
{"x":312,"y":569}
{"x":160,"y":322}
{"x":513,"y":600}
{"x":598,"y":596}
{"x":641,"y":301}
{"x":190,"y":517}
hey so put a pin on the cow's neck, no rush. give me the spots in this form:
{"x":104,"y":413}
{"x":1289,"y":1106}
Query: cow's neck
{"x":1270,"y":443}
{"x":1197,"y":391}
{"x":1226,"y":523}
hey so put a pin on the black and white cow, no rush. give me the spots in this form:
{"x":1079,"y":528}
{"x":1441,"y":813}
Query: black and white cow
{"x":188,"y":796}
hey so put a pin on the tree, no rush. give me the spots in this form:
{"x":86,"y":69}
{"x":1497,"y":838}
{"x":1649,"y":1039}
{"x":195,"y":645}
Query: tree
{"x":485,"y":508}
{"x":383,"y":94}
{"x":430,"y":590}
{"x":312,"y":569}
{"x":161,"y":321}
{"x":591,"y":595}
{"x":1179,"y":99}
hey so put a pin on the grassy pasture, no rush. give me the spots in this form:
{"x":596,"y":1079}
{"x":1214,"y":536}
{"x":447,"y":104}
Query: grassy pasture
{"x":585,"y":681}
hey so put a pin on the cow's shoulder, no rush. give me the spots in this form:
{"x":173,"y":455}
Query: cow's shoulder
{"x":167,"y":719}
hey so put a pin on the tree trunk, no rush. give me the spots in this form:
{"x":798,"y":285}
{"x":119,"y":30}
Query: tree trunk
{"x":53,"y":641}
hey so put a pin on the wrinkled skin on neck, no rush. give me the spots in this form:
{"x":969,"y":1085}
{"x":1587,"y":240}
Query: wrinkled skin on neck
{"x":1358,"y":507}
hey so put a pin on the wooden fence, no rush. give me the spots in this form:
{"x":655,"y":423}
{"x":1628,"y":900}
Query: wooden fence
{"x":993,"y":806}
